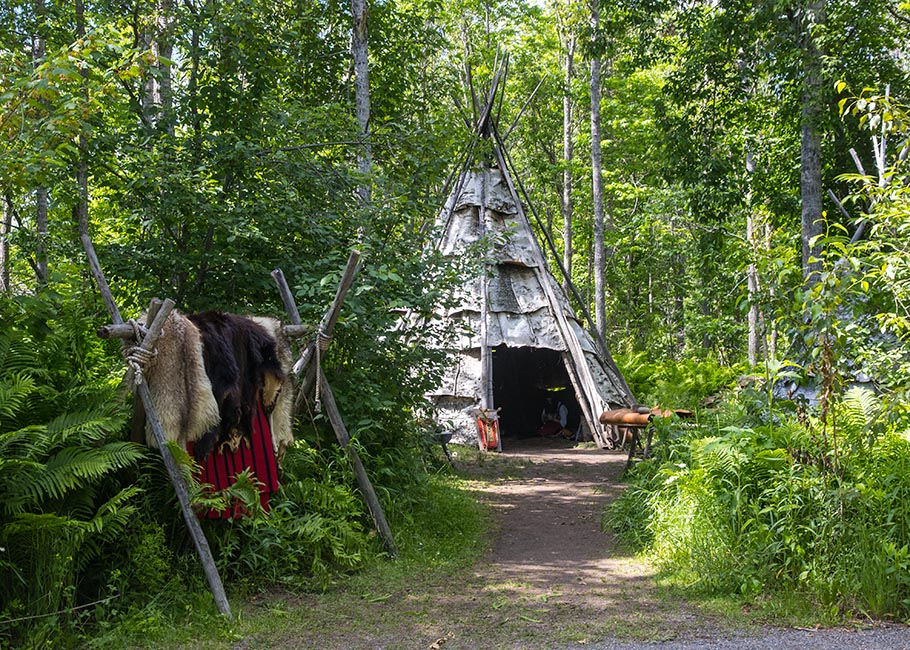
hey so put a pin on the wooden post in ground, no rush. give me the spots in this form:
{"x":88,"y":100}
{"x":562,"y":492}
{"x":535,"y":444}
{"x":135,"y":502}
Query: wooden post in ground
{"x":311,"y":374}
{"x":148,"y":342}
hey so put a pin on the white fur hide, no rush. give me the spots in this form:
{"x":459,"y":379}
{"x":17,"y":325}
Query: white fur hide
{"x":282,"y":418}
{"x":179,"y":385}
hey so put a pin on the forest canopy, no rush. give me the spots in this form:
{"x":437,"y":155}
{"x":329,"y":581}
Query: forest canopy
{"x":724,"y":181}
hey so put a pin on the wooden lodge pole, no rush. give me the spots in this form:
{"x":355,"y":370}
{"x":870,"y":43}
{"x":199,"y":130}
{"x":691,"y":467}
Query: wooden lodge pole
{"x":313,"y":374}
{"x":148,"y":342}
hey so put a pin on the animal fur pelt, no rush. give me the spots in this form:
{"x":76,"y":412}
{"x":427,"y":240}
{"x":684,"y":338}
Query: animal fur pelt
{"x":242,"y":365}
{"x":179,"y":385}
{"x":282,"y":416}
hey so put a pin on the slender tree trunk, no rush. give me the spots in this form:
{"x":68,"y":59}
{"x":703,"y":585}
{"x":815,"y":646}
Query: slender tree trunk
{"x":752,"y":269}
{"x":770,"y":338}
{"x":6,"y":224}
{"x":567,"y":155}
{"x":810,"y":143}
{"x":192,"y":85}
{"x":752,"y":283}
{"x":157,"y":100}
{"x":38,"y":52}
{"x":597,"y":183}
{"x":678,"y":318}
{"x":41,"y":226}
{"x":359,"y":42}
{"x":81,"y":208}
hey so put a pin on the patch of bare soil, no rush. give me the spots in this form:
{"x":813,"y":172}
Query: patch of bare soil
{"x":551,"y":578}
{"x":552,"y":570}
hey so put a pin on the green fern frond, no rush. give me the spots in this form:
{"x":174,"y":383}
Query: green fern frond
{"x":91,"y":425}
{"x":21,"y":443}
{"x":719,"y":457}
{"x":15,"y":356}
{"x":108,"y":523}
{"x":74,"y":467}
{"x":28,"y":523}
{"x":15,"y":389}
{"x":858,"y":413}
{"x":14,"y":473}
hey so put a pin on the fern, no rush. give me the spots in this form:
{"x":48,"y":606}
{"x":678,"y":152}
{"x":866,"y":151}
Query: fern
{"x":15,"y":389}
{"x":15,"y":356}
{"x":858,"y":416}
{"x":57,"y":461}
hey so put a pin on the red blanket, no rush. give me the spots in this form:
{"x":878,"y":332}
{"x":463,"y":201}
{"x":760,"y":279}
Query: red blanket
{"x":257,"y":454}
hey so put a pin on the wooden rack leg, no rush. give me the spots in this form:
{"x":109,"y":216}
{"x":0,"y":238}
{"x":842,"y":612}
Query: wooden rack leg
{"x":202,"y":545}
{"x":309,"y":372}
{"x":366,"y":487}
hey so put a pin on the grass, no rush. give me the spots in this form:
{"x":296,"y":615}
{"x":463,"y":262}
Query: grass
{"x":432,"y":593}
{"x":439,"y":546}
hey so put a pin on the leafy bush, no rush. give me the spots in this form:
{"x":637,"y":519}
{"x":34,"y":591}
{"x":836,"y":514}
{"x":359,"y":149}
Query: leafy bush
{"x":763,"y":509}
{"x":60,"y":501}
{"x":674,"y":384}
{"x":316,"y":527}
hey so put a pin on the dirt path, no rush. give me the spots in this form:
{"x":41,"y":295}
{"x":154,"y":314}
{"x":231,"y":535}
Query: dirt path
{"x":551,"y":566}
{"x":552,"y":579}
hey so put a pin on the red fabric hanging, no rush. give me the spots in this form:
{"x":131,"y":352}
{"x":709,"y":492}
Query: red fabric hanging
{"x":256,"y":453}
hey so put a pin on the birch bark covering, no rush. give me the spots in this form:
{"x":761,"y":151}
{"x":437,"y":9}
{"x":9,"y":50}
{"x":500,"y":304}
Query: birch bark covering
{"x":524,"y":307}
{"x":362,"y":92}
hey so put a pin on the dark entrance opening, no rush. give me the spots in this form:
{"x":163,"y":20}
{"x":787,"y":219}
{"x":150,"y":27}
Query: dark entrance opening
{"x":522,"y":379}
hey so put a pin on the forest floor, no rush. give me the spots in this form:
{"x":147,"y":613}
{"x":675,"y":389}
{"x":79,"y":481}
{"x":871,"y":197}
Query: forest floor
{"x":550,"y":579}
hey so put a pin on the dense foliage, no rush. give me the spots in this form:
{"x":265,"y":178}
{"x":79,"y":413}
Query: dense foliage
{"x":203,"y":143}
{"x":772,"y":492}
{"x":769,"y":509}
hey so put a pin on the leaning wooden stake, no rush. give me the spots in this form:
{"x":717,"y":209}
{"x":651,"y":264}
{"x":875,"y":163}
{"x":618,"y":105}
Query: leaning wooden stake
{"x":202,"y":545}
{"x":309,"y":373}
{"x":344,"y":439}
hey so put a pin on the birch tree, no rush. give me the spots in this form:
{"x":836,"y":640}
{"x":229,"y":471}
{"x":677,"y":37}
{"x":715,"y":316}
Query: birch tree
{"x":39,"y":47}
{"x":567,"y":156}
{"x":808,"y":22}
{"x":359,"y":40}
{"x":597,"y":177}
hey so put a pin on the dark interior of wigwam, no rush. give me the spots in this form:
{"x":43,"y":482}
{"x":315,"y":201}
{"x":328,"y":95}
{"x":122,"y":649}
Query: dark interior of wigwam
{"x":523,"y":378}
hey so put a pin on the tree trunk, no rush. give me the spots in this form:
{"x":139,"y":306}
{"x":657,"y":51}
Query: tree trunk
{"x":157,"y":100}
{"x":677,"y":317}
{"x":567,"y":154}
{"x":41,"y":246}
{"x":6,"y":223}
{"x":770,"y":338}
{"x":80,"y":210}
{"x":597,"y":184}
{"x":38,"y":52}
{"x":362,"y":94}
{"x":752,"y":283}
{"x":810,"y":143}
{"x":752,"y":269}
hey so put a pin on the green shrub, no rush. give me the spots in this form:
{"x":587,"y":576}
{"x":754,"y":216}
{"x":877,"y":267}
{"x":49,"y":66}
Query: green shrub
{"x":674,"y":384}
{"x":60,"y":455}
{"x":789,"y":507}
